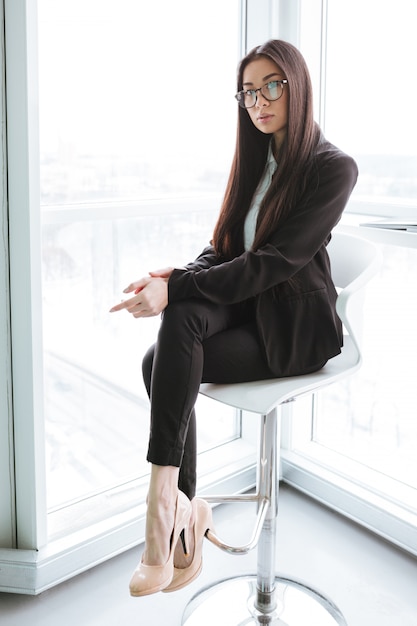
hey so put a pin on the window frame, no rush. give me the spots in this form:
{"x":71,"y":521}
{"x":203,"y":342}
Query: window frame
{"x":348,"y":487}
{"x":7,"y":512}
{"x":306,"y":465}
{"x":29,"y":563}
{"x":24,"y":254}
{"x":366,"y":208}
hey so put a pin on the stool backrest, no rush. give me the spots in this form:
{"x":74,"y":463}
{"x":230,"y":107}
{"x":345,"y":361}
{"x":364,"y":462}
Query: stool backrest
{"x":354,"y":261}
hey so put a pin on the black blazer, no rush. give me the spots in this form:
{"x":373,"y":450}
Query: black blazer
{"x":297,"y":322}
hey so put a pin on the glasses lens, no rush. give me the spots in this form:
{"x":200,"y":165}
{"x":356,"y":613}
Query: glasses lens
{"x":272,"y":90}
{"x":246,"y":99}
{"x":249,"y":98}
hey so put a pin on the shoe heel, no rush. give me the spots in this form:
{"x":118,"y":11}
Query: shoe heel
{"x":184,"y":542}
{"x":203,"y":523}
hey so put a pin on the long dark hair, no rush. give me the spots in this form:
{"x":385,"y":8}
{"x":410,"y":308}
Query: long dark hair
{"x":251,"y":154}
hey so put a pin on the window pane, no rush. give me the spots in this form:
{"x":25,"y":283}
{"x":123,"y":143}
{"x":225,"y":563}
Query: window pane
{"x":137,"y":124}
{"x":364,"y":429}
{"x":371,"y":417}
{"x":136,"y":98}
{"x":370,"y":99}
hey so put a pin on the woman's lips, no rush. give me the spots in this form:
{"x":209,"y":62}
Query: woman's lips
{"x":263,"y":119}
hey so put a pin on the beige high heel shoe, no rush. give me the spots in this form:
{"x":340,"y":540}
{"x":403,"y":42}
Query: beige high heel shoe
{"x":203,"y":522}
{"x":149,"y":579}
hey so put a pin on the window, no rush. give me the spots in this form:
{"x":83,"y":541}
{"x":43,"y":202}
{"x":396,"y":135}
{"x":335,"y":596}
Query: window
{"x":6,"y":424}
{"x":369,"y":100}
{"x":353,"y":446}
{"x":91,"y":192}
{"x":121,"y":130}
{"x":359,"y":55}
{"x":131,"y":176}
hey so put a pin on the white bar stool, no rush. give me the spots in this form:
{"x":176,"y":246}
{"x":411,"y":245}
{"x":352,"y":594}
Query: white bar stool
{"x":264,"y":598}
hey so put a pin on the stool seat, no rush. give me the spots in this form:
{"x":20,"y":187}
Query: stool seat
{"x":261,"y":396}
{"x":264,"y":597}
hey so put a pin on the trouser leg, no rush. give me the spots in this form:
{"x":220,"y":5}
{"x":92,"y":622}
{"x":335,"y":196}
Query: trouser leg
{"x":198,"y":341}
{"x":187,"y":476}
{"x":176,"y":373}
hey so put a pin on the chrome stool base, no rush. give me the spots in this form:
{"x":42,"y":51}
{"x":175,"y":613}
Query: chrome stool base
{"x":232,"y":602}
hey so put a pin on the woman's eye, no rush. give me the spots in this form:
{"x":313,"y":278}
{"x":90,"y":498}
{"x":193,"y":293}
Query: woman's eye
{"x":272,"y":85}
{"x":273,"y":89}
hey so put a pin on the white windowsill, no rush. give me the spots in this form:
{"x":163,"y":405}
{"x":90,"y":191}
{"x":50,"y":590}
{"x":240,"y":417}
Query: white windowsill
{"x":354,"y":500}
{"x":32,"y":572}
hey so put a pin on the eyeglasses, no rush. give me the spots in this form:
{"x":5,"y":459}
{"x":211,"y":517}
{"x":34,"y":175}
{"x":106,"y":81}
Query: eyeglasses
{"x":271,"y":91}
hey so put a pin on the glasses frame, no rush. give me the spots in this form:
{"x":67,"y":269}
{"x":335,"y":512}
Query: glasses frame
{"x":240,"y":94}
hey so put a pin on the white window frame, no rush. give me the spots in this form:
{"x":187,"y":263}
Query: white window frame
{"x":25,"y":285}
{"x":30,"y":564}
{"x":7,"y":512}
{"x":355,"y":492}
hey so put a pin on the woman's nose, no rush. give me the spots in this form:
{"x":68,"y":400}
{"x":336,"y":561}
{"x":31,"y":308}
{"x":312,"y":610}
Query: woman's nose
{"x":261,"y":101}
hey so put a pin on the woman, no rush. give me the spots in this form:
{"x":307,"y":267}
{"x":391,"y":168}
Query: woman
{"x":258,"y":303}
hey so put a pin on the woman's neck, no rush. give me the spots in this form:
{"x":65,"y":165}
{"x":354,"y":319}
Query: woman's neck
{"x":277,"y":143}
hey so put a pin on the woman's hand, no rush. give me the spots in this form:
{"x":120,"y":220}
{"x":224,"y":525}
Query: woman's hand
{"x":151,"y":296}
{"x":163,"y":273}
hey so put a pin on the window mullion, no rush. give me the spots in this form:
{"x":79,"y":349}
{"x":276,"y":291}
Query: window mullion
{"x":7,"y":526}
{"x":25,"y":271}
{"x":323,"y":66}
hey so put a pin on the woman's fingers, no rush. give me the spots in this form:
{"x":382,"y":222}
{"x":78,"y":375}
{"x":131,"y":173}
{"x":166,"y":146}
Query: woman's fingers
{"x":125,"y":304}
{"x":137,"y":285}
{"x":165,"y":272}
{"x":151,"y":298}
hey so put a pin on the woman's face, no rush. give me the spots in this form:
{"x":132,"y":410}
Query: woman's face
{"x":269,"y":116}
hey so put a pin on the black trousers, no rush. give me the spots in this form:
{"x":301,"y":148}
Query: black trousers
{"x":198,"y":341}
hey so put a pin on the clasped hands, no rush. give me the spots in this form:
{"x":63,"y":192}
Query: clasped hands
{"x":150,"y":294}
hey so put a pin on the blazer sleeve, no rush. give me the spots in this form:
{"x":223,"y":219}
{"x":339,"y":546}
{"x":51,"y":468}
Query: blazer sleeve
{"x":290,"y":248}
{"x":207,"y":258}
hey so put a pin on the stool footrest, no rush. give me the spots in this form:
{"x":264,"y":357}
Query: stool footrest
{"x":237,"y":497}
{"x":237,"y":550}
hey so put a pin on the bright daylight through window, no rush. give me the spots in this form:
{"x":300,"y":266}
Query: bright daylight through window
{"x":369,"y":421}
{"x":370,"y":100}
{"x":131,"y":180}
{"x":126,"y":187}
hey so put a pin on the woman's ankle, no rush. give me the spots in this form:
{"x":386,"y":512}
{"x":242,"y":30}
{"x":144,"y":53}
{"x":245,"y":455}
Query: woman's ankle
{"x":158,"y":537}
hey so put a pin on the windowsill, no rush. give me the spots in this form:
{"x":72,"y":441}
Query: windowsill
{"x":351,"y":224}
{"x":352,"y":498}
{"x":32,"y":572}
{"x":369,"y":580}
